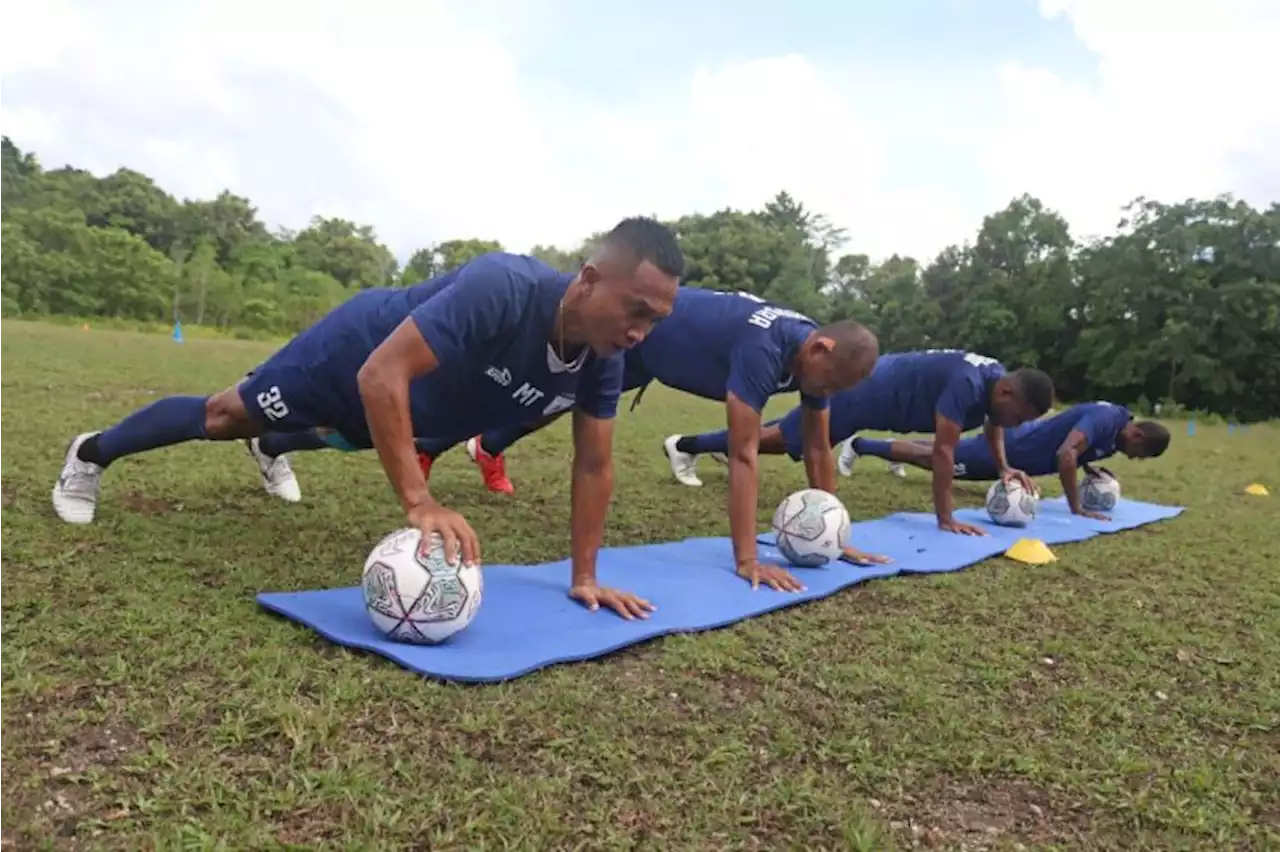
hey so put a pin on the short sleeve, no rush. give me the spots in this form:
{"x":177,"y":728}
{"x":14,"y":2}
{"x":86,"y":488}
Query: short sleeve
{"x":960,"y":394}
{"x":755,"y":367}
{"x":600,"y":387}
{"x":485,"y":300}
{"x":1103,"y":423}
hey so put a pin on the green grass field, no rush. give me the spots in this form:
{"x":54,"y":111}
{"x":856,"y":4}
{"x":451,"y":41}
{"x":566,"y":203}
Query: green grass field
{"x":1125,"y":697}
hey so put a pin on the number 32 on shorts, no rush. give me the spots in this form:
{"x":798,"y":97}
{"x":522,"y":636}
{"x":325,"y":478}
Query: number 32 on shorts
{"x":272,"y":404}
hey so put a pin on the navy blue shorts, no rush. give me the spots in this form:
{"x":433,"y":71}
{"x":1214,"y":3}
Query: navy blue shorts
{"x":287,"y":394}
{"x":790,"y":425}
{"x":973,"y":460}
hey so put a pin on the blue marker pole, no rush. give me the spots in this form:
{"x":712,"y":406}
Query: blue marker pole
{"x":1191,"y":426}
{"x":177,"y":332}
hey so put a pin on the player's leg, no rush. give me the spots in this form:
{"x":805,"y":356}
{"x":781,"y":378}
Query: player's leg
{"x":270,"y":453}
{"x":164,"y":423}
{"x":777,"y":437}
{"x":682,"y":453}
{"x":898,"y":453}
{"x":488,"y":451}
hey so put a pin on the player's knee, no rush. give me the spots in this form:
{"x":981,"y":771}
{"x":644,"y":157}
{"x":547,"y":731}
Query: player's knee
{"x":225,"y":417}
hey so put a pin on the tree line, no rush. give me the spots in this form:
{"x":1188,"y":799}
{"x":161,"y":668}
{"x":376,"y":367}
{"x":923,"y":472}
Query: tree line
{"x":1180,"y":306}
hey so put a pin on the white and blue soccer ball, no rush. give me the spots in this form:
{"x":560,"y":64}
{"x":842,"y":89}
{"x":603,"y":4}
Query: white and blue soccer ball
{"x":1100,"y":492}
{"x":416,"y":595}
{"x":812,"y":528}
{"x":1010,"y":504}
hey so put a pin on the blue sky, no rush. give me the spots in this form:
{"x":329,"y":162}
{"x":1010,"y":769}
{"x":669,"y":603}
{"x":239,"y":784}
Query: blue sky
{"x":545,"y":120}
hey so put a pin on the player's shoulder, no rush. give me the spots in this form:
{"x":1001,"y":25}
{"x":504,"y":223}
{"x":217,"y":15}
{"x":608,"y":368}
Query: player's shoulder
{"x":514,"y":268}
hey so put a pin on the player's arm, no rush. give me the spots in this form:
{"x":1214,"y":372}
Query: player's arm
{"x":482,"y":304}
{"x":592,"y":487}
{"x":815,"y":435}
{"x":591,"y":491}
{"x":383,"y":381}
{"x":753,"y":376}
{"x":946,"y":436}
{"x":995,"y":442}
{"x":1068,"y":461}
{"x":744,"y":477}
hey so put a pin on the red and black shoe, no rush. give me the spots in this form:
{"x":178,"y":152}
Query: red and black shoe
{"x":492,"y":468}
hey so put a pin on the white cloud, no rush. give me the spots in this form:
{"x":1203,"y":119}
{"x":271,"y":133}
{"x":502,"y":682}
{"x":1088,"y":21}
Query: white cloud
{"x":1184,"y":105}
{"x":419,"y":120}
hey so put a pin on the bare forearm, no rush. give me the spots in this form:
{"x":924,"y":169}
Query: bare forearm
{"x":1067,"y":475}
{"x":820,"y":467}
{"x":943,"y":476}
{"x":592,"y":490}
{"x":743,"y":498}
{"x":995,"y":442}
{"x":386,"y":405}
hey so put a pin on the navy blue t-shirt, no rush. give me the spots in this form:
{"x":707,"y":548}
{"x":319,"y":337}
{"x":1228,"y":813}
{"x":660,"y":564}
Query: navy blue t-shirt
{"x":908,"y":390}
{"x":1033,"y":447}
{"x":716,"y":342}
{"x":489,"y":323}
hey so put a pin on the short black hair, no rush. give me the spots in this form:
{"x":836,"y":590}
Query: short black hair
{"x":1154,"y":436}
{"x":852,"y":339}
{"x":1035,"y":386}
{"x":646,"y":239}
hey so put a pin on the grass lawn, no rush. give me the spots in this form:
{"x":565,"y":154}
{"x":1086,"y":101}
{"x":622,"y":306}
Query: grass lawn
{"x":1125,"y":697}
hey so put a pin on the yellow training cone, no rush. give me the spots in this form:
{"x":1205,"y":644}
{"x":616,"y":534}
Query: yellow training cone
{"x":1032,"y":551}
{"x":1257,"y":490}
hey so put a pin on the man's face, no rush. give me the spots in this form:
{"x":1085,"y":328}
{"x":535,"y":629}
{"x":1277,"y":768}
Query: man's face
{"x":1010,"y":409}
{"x":622,"y":307}
{"x":1132,"y":442}
{"x":822,"y":374}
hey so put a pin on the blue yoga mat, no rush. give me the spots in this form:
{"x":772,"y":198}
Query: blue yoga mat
{"x":527,"y":622}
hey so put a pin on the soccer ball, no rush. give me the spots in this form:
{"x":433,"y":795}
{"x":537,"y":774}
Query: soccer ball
{"x":414,"y":594}
{"x":1100,"y":492}
{"x":1010,"y":504}
{"x":812,"y":527}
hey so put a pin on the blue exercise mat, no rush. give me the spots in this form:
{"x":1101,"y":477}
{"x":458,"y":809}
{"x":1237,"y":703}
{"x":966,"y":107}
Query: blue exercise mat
{"x":527,"y":622}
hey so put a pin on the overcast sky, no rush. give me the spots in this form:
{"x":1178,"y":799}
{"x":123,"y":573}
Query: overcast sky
{"x":545,"y":120}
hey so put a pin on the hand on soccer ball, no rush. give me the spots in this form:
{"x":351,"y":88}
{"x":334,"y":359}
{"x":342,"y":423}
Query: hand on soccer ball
{"x":455,"y":533}
{"x":960,"y":527}
{"x":625,"y":604}
{"x":1025,"y":481}
{"x":860,"y":557}
{"x":771,"y":575}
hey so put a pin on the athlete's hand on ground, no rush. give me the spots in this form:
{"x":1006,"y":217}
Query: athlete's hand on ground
{"x":863,"y":558}
{"x":452,"y":528}
{"x":960,"y":527}
{"x":1097,"y":516}
{"x":625,"y":604}
{"x":771,"y":575}
{"x":1023,"y":480}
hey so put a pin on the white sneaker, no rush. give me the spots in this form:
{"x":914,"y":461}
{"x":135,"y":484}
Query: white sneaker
{"x":719,"y":458}
{"x":847,"y":458}
{"x":898,"y":469}
{"x":75,"y":494}
{"x":277,"y":473}
{"x":684,"y":466}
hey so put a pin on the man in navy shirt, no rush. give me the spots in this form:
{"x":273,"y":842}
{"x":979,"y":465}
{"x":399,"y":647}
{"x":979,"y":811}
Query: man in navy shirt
{"x":496,"y":341}
{"x":943,"y":391}
{"x":1079,"y":436}
{"x":738,"y":349}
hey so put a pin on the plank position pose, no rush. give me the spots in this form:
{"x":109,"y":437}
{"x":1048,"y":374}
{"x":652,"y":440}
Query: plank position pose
{"x":738,"y":349}
{"x":479,"y":347}
{"x":942,"y":391}
{"x":1085,"y":433}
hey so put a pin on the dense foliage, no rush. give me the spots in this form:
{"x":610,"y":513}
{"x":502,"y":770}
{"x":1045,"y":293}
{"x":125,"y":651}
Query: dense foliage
{"x":1181,"y":305}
